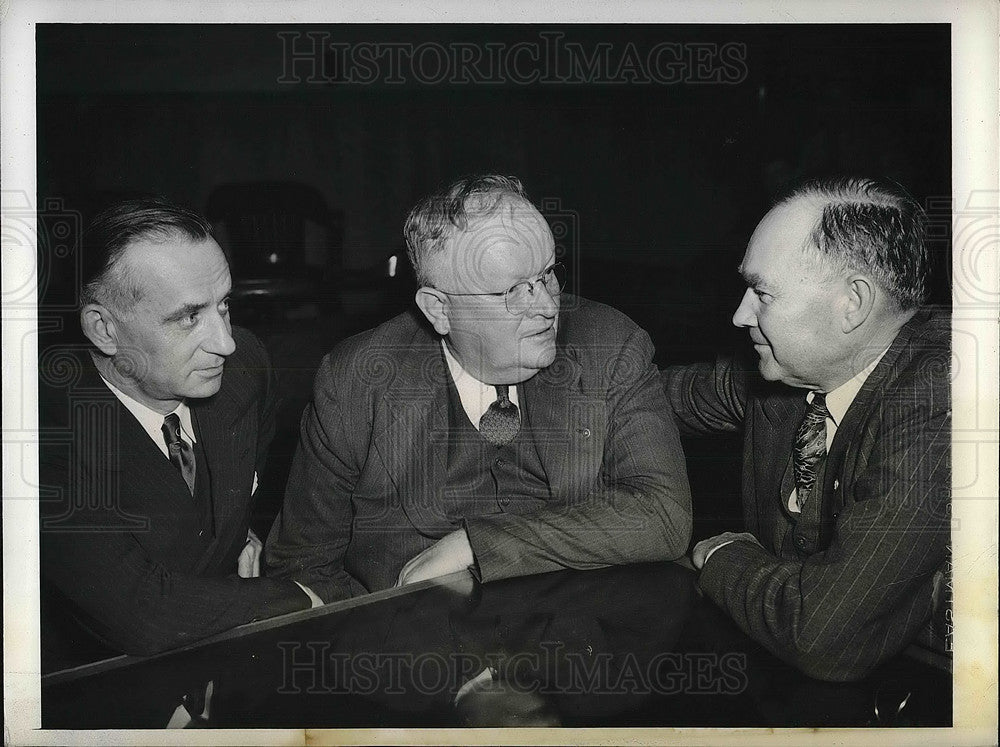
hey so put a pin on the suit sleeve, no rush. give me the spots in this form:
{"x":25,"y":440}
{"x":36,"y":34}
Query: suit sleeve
{"x":840,"y":612}
{"x":142,"y":607}
{"x":311,"y":534}
{"x":267,"y":411}
{"x":706,"y":399}
{"x":639,"y":507}
{"x":126,"y":597}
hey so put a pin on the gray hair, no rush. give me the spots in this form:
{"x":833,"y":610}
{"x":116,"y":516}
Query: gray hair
{"x":871,"y":226}
{"x":433,"y":219}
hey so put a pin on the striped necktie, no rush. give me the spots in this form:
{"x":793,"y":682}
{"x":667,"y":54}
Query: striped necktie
{"x":178,"y":450}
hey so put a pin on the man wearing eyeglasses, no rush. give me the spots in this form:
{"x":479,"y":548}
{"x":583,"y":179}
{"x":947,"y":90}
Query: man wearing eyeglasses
{"x":508,"y":427}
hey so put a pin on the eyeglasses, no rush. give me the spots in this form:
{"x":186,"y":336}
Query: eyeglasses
{"x":521,"y":296}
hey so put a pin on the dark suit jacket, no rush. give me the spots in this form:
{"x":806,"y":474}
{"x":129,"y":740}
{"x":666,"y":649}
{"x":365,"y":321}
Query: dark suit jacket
{"x":367,"y":487}
{"x":124,"y":546}
{"x":847,"y":583}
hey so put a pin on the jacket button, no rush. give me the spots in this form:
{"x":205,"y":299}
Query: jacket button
{"x":800,"y":542}
{"x":585,"y":432}
{"x":836,"y":484}
{"x":500,"y":462}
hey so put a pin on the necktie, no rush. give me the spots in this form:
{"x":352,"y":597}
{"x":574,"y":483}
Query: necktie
{"x":810,"y":447}
{"x":501,"y":422}
{"x":179,"y":450}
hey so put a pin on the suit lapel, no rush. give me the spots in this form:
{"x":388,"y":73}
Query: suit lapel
{"x":227,"y":455}
{"x":110,"y":439}
{"x":848,"y":431}
{"x":557,"y":414}
{"x":774,"y":438}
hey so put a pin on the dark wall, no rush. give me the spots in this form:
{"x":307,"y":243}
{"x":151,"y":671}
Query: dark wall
{"x":660,"y":183}
{"x":653,"y":179}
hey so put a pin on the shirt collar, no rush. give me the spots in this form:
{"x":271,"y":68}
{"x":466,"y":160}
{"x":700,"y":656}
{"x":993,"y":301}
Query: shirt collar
{"x":475,"y":395}
{"x":839,"y":400}
{"x":151,"y":420}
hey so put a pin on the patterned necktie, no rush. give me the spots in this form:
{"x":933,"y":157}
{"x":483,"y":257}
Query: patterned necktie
{"x":501,"y":422}
{"x":810,"y":447}
{"x":179,"y":450}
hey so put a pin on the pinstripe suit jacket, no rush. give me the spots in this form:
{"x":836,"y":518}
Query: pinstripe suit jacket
{"x":367,"y":489}
{"x":124,"y":546}
{"x":848,"y":583}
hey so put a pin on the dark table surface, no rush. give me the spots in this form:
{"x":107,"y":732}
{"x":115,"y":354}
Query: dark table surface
{"x":626,"y":646}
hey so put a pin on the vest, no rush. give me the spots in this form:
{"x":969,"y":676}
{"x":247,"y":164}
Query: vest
{"x":485,"y":479}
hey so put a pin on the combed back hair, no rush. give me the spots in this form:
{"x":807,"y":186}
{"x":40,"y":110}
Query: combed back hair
{"x":434,"y":218}
{"x":106,"y":279}
{"x":871,"y":226}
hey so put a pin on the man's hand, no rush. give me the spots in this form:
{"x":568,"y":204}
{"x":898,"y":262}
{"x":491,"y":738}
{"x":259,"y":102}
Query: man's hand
{"x":248,"y":564}
{"x":702,"y":550}
{"x":449,"y":554}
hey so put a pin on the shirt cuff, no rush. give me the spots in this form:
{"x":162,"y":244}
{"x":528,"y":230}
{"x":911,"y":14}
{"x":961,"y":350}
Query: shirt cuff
{"x":313,"y":596}
{"x":486,"y":677}
{"x":729,"y":542}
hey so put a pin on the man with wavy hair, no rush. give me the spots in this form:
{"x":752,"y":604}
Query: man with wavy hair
{"x":502,"y":426}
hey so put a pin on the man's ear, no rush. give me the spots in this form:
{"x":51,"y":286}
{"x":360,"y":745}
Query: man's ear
{"x":99,"y":326}
{"x":861,"y":296}
{"x":436,"y":307}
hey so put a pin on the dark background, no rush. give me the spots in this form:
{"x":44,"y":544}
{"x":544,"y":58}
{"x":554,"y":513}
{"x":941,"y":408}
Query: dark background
{"x":653,"y":188}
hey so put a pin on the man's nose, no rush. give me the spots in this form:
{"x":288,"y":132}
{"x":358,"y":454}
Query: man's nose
{"x":544,"y":302}
{"x":220,"y":341}
{"x":746,"y":314}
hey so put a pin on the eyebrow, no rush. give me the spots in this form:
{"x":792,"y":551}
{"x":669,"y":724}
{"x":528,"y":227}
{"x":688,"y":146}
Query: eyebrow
{"x":183,"y":311}
{"x":752,"y":279}
{"x":552,"y":262}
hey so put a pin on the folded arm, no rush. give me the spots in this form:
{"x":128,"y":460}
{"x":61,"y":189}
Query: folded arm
{"x":140,"y":606}
{"x":706,"y":399}
{"x":840,"y":612}
{"x":638,"y":508}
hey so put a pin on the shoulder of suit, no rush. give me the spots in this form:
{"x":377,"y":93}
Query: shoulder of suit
{"x":248,"y":346}
{"x":250,"y":354}
{"x":581,"y":319}
{"x":926,"y":334}
{"x":66,"y":372}
{"x":917,"y":367}
{"x":933,"y":323}
{"x":398,"y":331}
{"x":247,"y":368}
{"x":380,"y":347}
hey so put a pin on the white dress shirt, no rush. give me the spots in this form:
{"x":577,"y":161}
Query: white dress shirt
{"x":837,"y":403}
{"x":152,"y":421}
{"x":475,"y":395}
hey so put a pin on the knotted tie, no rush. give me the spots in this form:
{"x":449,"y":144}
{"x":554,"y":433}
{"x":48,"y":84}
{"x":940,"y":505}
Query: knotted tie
{"x":179,"y":450}
{"x":501,"y":422}
{"x":810,"y":447}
